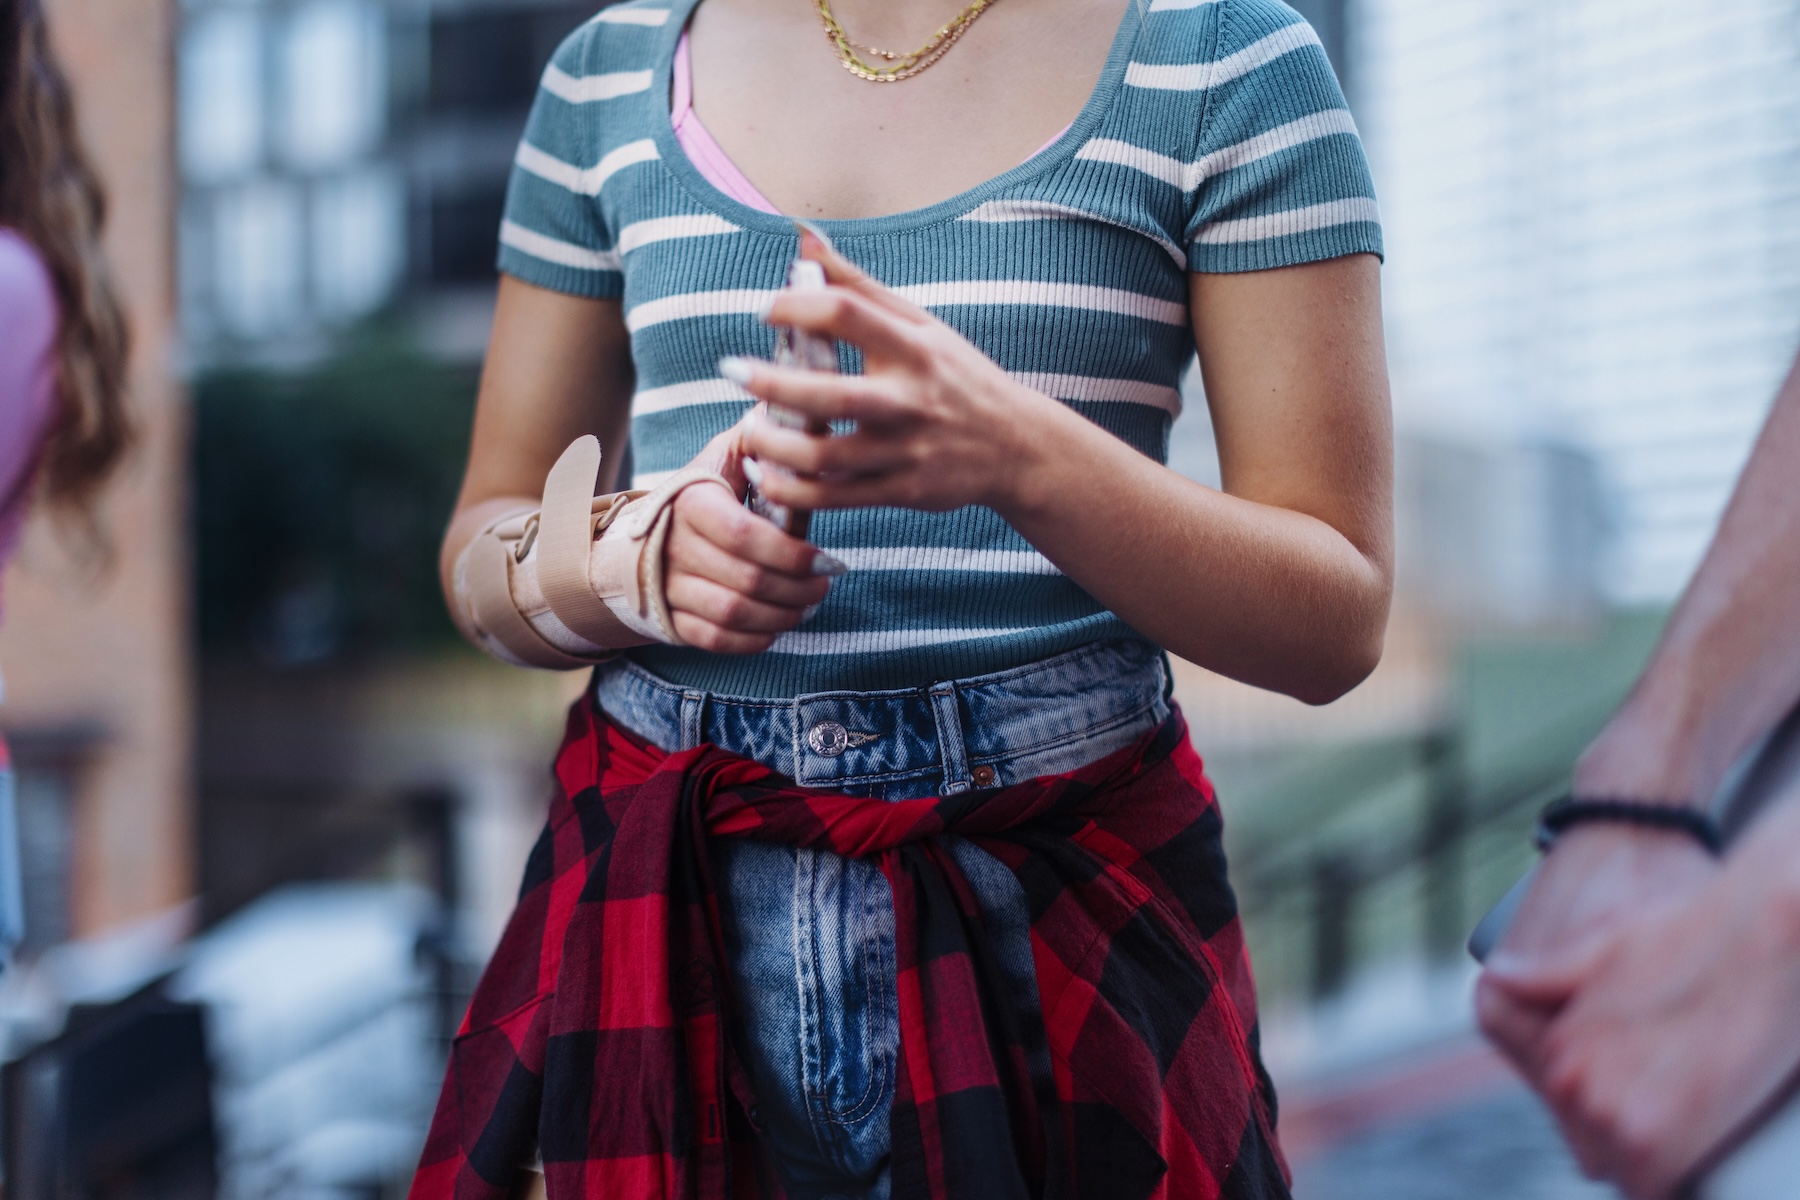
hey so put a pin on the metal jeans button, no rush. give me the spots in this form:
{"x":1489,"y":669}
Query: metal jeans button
{"x":828,"y":738}
{"x":983,"y":776}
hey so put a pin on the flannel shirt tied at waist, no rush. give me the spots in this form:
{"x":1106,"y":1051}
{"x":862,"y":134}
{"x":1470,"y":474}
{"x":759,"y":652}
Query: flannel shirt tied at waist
{"x":600,"y":1032}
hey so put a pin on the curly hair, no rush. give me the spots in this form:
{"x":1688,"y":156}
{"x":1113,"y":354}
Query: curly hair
{"x":51,"y":195}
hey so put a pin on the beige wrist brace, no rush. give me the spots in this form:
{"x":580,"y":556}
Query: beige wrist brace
{"x":580,"y":578}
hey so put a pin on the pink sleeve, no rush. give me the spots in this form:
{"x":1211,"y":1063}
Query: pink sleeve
{"x":27,"y":377}
{"x":27,"y":366}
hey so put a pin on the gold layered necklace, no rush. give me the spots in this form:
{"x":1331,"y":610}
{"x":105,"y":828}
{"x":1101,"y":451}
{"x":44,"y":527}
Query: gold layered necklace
{"x":898,"y":66}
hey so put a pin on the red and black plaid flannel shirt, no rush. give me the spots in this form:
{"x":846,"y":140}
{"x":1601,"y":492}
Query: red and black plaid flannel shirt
{"x":600,"y":1032}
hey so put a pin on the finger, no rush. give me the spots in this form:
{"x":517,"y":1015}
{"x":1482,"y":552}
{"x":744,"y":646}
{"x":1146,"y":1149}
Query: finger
{"x":841,"y":271}
{"x":742,"y":534}
{"x":725,"y":454}
{"x":1550,"y":975}
{"x":700,"y":556}
{"x":819,"y":394}
{"x":894,"y":489}
{"x":729,"y":610}
{"x":704,"y":635}
{"x":850,"y":455}
{"x":1517,"y":1030}
{"x":849,"y":317}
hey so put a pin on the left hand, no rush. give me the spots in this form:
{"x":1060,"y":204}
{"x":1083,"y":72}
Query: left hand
{"x":938,"y":424}
{"x":1671,"y":1029}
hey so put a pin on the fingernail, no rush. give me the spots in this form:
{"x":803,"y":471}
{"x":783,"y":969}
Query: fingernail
{"x":753,"y":472}
{"x":809,"y":227}
{"x":825,"y":564}
{"x":807,"y":613}
{"x":735,"y":370}
{"x":767,"y":305}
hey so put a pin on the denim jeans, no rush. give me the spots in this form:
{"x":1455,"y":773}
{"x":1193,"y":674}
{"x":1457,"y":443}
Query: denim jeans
{"x":810,"y":935}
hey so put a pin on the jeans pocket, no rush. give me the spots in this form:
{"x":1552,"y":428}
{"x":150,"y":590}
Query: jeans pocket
{"x":853,"y":1008}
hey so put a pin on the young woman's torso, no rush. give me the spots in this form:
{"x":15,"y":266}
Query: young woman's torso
{"x":1069,"y":270}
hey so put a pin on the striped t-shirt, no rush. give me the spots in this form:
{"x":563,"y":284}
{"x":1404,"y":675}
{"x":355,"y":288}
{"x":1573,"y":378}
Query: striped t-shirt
{"x":1216,"y":140}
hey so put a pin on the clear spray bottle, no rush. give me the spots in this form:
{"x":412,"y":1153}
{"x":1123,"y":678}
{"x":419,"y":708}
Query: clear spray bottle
{"x":797,"y":349}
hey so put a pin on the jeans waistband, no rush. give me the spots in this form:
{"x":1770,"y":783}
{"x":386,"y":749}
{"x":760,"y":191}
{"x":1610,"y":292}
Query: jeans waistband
{"x":987,"y":731}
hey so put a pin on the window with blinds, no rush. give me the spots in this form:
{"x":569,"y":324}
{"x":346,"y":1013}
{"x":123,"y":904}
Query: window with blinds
{"x":1593,"y":221}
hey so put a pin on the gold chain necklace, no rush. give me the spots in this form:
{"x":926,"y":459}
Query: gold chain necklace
{"x":902,"y":66}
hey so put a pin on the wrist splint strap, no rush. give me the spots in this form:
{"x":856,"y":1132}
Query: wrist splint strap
{"x":598,"y":563}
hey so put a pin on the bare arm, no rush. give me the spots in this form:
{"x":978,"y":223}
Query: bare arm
{"x":559,"y":367}
{"x":1614,"y":906}
{"x":1282,"y":579}
{"x":1728,"y":666}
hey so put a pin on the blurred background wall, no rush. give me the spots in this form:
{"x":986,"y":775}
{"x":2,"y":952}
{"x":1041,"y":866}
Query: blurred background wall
{"x":264,"y":781}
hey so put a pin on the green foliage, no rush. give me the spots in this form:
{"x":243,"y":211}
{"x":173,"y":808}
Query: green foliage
{"x":320,"y":497}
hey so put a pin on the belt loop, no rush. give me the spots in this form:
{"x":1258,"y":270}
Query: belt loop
{"x":693,"y":719}
{"x":951,"y":751}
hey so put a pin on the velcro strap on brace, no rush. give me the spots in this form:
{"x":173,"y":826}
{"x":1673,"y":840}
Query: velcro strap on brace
{"x":602,"y":571}
{"x":564,"y":586}
{"x":566,"y":528}
{"x":491,"y":603}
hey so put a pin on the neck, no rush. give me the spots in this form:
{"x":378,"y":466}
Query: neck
{"x":897,"y":25}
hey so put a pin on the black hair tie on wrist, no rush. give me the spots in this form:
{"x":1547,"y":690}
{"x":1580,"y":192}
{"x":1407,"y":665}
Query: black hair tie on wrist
{"x":1561,"y":815}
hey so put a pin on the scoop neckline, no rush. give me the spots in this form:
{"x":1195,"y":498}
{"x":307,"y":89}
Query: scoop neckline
{"x":675,"y":160}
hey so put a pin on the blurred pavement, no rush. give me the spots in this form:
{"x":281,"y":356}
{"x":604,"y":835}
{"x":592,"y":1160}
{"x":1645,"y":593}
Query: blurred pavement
{"x":1499,"y":1146}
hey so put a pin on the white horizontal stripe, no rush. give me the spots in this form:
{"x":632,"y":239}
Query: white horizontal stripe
{"x":1191,"y":77}
{"x":1294,"y":220}
{"x":1062,"y":387}
{"x":1167,"y":5}
{"x":661,"y":229}
{"x":999,"y":212}
{"x":587,"y":88}
{"x":1188,"y":176}
{"x":684,"y":395}
{"x":880,"y":641}
{"x":633,"y":16}
{"x":1170,"y":170}
{"x":1053,"y":295}
{"x":549,"y":249}
{"x":946,"y":558}
{"x":585,"y":181}
{"x":696,"y":304}
{"x":1004,"y":211}
{"x":1104,"y":391}
{"x":1311,"y":128}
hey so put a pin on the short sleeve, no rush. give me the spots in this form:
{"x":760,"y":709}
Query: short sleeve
{"x":1283,"y":176}
{"x":553,"y":233}
{"x":28,"y":314}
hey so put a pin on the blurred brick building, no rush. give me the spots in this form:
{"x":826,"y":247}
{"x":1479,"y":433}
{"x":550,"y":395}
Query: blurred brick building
{"x":98,"y":697}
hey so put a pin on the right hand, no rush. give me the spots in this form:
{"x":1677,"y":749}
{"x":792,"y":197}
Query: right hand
{"x":1597,"y":878}
{"x":734,"y":581}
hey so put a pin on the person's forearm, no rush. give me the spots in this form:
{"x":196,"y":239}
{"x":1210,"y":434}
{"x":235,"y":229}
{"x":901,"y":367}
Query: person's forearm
{"x":1728,"y":665}
{"x":1263,"y":594}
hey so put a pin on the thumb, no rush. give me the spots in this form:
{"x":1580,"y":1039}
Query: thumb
{"x":725,"y":453}
{"x":1546,"y":975}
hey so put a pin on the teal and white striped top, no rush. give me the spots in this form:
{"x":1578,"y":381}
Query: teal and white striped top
{"x":1216,"y":140}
